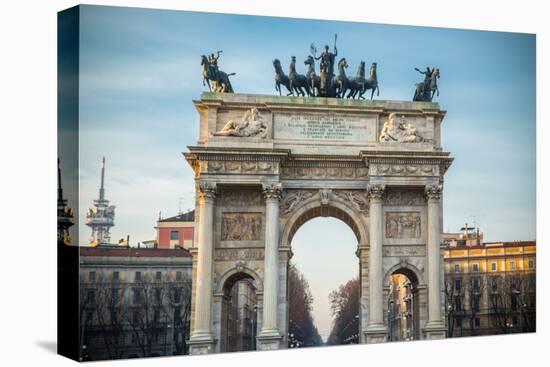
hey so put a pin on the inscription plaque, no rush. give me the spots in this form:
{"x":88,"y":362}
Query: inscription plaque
{"x":324,"y":127}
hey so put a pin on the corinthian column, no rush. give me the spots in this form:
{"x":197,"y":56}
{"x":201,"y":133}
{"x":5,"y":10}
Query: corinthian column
{"x":202,"y":331}
{"x":376,"y":330}
{"x":269,"y":335}
{"x":433,"y":195}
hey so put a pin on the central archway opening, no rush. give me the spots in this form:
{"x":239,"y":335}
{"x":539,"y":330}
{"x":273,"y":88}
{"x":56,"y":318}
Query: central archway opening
{"x":324,"y":288}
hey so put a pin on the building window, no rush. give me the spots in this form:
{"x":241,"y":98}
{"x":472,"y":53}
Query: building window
{"x":114,"y":296}
{"x":477,"y":322}
{"x":91,"y":277}
{"x":475,"y":268}
{"x":475,"y":305}
{"x":459,"y":323}
{"x":457,"y":268}
{"x":90,"y":296}
{"x":458,"y":303}
{"x":178,"y":275}
{"x":476,"y":283}
{"x":158,"y":276}
{"x":138,"y":276}
{"x":512,"y":265}
{"x":174,"y":235}
{"x":531,"y":264}
{"x":493,"y":266}
{"x":115,"y":275}
{"x":458,"y":285}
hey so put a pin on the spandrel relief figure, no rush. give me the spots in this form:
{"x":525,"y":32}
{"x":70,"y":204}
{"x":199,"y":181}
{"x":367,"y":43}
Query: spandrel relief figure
{"x":398,"y":130}
{"x":251,"y":125}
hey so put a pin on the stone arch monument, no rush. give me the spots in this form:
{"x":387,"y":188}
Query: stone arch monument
{"x":264,"y":165}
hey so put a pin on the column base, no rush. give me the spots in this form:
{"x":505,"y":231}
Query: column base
{"x":434,"y":330}
{"x":376,"y":334}
{"x":201,"y":344}
{"x":269,"y":340}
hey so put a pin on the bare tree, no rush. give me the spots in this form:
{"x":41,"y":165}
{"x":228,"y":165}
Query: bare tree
{"x":344,"y":304}
{"x":475,"y":286}
{"x":454,"y":301}
{"x":302,"y":330}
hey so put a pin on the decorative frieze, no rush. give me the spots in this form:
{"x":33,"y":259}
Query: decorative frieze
{"x":329,"y":173}
{"x":241,"y":226}
{"x":404,"y":170}
{"x":403,"y":225}
{"x":248,"y":167}
{"x":230,"y":254}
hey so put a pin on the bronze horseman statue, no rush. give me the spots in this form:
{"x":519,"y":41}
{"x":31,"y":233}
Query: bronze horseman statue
{"x":217,"y":80}
{"x":426,"y":90}
{"x":326,"y":83}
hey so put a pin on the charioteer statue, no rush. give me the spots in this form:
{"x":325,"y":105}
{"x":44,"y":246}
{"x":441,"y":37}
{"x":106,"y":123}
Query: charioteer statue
{"x":326,"y":68}
{"x":426,"y":90}
{"x":217,"y":80}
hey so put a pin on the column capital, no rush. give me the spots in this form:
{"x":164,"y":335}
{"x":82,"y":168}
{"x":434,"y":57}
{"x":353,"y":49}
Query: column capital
{"x":273,"y":191}
{"x":207,"y":190}
{"x":375,"y":191}
{"x":433,"y":192}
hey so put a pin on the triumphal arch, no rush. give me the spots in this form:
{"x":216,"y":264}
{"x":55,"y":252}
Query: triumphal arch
{"x":264,"y":165}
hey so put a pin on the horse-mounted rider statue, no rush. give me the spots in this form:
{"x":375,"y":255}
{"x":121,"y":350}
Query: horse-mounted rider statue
{"x":217,"y":80}
{"x":426,"y":90}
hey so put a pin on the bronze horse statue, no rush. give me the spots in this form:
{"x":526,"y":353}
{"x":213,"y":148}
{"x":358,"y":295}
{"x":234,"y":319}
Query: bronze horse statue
{"x":281,"y":78}
{"x":340,"y":82}
{"x":357,"y":84}
{"x":312,"y":78}
{"x":297,"y":81}
{"x":220,"y":80}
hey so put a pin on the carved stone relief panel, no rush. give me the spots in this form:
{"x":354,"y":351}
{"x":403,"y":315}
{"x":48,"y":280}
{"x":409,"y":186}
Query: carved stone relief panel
{"x":403,"y":225}
{"x":404,"y":197}
{"x":292,"y":199}
{"x":241,"y":226}
{"x":239,"y":254}
{"x":357,"y":198}
{"x":240,"y":197}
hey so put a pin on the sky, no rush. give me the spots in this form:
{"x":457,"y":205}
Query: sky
{"x":140,"y":70}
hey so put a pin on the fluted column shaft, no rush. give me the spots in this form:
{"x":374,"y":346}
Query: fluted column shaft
{"x":271,"y":278}
{"x":433,"y":195}
{"x":203,"y":291}
{"x":376,"y":310}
